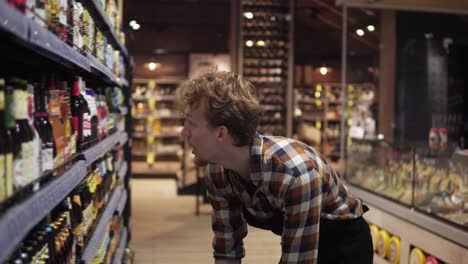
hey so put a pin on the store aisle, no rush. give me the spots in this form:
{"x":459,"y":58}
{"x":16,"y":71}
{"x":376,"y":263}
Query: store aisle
{"x":167,"y":231}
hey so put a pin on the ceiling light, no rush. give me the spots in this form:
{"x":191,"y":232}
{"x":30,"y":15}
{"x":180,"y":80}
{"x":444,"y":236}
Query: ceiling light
{"x":249,"y":43}
{"x":360,"y":32}
{"x":132,"y":23}
{"x":370,"y":28}
{"x":261,"y":43}
{"x":152,"y":66}
{"x":323,"y":70}
{"x":160,"y":51}
{"x":248,"y":15}
{"x":136,"y":26}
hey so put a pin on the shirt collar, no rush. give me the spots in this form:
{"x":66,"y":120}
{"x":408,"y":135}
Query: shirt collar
{"x":256,"y":159}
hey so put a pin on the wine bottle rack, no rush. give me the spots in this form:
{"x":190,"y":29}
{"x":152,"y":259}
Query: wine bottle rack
{"x":265,"y":58}
{"x":24,"y":37}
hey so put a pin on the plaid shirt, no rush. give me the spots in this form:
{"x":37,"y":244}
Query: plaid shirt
{"x":290,"y":177}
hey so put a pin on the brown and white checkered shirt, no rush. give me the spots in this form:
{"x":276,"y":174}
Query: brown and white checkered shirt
{"x":289,"y":177}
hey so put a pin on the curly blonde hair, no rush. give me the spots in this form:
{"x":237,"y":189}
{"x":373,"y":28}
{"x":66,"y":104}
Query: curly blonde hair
{"x":229,"y":102}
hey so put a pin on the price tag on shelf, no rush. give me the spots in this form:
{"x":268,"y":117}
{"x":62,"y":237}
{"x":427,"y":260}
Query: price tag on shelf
{"x":318,"y":124}
{"x":150,"y":139}
{"x":150,"y":158}
{"x":318,"y":88}
{"x":152,"y":84}
{"x":152,"y":103}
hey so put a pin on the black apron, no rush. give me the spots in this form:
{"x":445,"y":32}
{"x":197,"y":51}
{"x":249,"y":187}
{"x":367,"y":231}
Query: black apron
{"x":340,"y":241}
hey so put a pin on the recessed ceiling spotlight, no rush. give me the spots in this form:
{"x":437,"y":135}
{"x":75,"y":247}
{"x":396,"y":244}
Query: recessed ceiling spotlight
{"x":132,"y":23}
{"x":323,"y":70}
{"x":249,"y":43}
{"x":261,"y":43}
{"x":153,"y":65}
{"x":248,"y":15}
{"x":136,"y":26}
{"x":360,"y":32}
{"x":370,"y":28}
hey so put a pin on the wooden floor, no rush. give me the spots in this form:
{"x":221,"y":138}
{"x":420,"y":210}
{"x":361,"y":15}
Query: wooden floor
{"x":165,"y":229}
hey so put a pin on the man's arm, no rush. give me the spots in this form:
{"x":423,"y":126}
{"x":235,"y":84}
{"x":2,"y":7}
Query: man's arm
{"x":302,"y":204}
{"x":227,"y":223}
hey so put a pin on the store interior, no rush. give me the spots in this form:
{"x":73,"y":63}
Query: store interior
{"x":94,"y":166}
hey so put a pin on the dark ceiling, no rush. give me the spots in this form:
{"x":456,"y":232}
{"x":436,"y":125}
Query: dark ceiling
{"x":171,"y":29}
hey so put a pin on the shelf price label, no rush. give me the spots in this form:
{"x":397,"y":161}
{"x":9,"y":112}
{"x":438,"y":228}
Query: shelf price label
{"x":152,"y":103}
{"x":150,"y":158}
{"x":150,"y":139}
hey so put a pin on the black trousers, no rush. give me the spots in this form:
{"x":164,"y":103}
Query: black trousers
{"x":340,"y":241}
{"x":345,"y":242}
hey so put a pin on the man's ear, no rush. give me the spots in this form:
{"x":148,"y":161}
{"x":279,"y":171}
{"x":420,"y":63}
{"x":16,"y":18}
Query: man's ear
{"x":223,"y":133}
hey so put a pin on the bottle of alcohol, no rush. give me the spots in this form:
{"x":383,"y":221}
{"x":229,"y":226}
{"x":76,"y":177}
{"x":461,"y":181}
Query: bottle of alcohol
{"x":44,"y":128}
{"x":58,"y":124}
{"x":12,"y":137}
{"x":36,"y":165}
{"x":23,"y":162}
{"x":76,"y":110}
{"x":6,"y":148}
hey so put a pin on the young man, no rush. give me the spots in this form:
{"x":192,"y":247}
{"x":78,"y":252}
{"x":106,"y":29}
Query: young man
{"x":273,"y":183}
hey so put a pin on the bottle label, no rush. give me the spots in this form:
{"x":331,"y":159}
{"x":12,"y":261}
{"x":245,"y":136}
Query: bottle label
{"x":86,"y":125}
{"x":2,"y":100}
{"x":23,"y":165}
{"x":63,"y":12}
{"x":2,"y":178}
{"x":36,"y":161}
{"x":20,"y":99}
{"x":9,"y":174}
{"x":9,"y":111}
{"x":47,"y":157}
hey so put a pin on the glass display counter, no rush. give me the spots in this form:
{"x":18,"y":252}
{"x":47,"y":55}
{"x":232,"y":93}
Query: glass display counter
{"x":435,"y":183}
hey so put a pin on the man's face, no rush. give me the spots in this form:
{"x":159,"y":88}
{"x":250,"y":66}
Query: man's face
{"x":199,"y":135}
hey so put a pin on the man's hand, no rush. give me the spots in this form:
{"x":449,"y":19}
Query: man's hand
{"x":228,"y":261}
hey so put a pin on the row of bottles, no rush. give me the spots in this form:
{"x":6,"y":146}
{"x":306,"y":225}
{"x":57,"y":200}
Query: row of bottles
{"x":71,"y":21}
{"x":63,"y":235}
{"x":265,"y":32}
{"x":44,"y":124}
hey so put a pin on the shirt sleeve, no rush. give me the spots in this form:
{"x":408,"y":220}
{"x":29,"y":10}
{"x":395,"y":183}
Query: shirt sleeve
{"x":227,"y":223}
{"x":302,"y":205}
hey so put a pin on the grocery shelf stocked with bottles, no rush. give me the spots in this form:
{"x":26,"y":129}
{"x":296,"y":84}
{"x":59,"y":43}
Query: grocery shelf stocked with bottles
{"x":319,"y":108}
{"x":157,"y":145}
{"x":64,"y":149}
{"x":265,"y":57}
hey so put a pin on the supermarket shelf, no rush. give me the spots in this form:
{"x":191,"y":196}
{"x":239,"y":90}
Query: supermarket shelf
{"x":123,"y":138}
{"x":123,"y":170}
{"x":100,"y":230}
{"x":122,"y":202}
{"x":95,"y":152}
{"x":106,"y":26}
{"x":121,"y":249}
{"x":161,"y":168}
{"x":139,"y":134}
{"x":140,"y":116}
{"x":167,"y":135}
{"x":102,"y":69}
{"x":124,"y":82}
{"x":12,"y":21}
{"x":123,"y":110}
{"x":16,"y":223}
{"x":165,"y":98}
{"x":46,"y":43}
